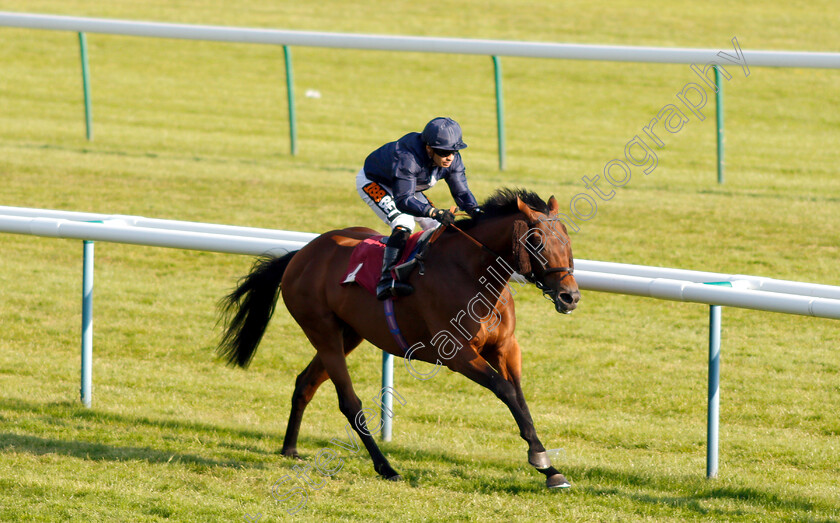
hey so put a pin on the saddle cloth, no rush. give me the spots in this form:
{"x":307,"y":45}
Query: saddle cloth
{"x":365,"y":265}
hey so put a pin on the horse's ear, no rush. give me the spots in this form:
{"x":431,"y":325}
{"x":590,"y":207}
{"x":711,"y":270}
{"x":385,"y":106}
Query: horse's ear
{"x":520,"y":253}
{"x":527,"y":211}
{"x":553,"y":206}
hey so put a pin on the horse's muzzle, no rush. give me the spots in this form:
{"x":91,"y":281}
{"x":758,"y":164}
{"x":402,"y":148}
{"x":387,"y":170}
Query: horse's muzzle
{"x":566,"y":302}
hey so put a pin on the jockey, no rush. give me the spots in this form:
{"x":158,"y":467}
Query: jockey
{"x":392,"y":183}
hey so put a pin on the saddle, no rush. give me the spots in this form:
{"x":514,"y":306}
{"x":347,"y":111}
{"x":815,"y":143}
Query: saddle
{"x":365,"y":265}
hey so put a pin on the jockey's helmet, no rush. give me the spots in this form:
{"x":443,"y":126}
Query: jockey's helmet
{"x":443,"y":133}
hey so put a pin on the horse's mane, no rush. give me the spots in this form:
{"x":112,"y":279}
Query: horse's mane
{"x":503,"y":203}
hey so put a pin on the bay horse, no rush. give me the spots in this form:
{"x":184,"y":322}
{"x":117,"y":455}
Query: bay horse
{"x":517,"y":230}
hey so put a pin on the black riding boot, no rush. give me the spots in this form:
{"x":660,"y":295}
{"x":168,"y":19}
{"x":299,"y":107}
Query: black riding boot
{"x":387,"y":286}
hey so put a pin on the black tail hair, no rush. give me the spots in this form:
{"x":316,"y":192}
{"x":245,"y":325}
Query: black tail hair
{"x":247,"y":310}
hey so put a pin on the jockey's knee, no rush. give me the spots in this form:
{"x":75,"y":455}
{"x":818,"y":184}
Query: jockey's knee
{"x":406,"y":221}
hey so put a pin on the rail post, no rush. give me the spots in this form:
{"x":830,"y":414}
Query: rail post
{"x":87,"y":323}
{"x":290,"y":94}
{"x":387,"y":399}
{"x":500,"y":111}
{"x":719,"y":114}
{"x":713,"y":411}
{"x":86,"y":86}
{"x":713,"y":421}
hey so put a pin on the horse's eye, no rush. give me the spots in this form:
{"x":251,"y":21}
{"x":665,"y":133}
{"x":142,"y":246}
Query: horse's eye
{"x":541,"y":239}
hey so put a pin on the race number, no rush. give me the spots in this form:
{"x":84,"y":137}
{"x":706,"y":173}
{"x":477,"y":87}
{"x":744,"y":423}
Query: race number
{"x":375,"y":191}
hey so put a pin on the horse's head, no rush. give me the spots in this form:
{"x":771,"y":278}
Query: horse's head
{"x":544,"y":253}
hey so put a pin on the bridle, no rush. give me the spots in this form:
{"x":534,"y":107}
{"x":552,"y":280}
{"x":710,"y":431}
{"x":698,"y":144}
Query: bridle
{"x":538,"y":281}
{"x":541,"y":284}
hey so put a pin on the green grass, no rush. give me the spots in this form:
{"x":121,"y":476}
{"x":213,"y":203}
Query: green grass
{"x":198,"y":131}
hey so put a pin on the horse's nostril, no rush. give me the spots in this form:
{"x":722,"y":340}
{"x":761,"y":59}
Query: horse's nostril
{"x":566,"y":297}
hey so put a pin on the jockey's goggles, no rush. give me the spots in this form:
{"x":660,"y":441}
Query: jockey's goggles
{"x":443,"y":153}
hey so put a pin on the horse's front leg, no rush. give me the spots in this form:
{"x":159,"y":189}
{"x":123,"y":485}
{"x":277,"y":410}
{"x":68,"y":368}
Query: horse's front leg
{"x":508,"y":389}
{"x":539,"y":458}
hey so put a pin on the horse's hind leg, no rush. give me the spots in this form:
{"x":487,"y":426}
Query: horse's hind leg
{"x":329,"y":344}
{"x":306,"y":386}
{"x":351,"y":406}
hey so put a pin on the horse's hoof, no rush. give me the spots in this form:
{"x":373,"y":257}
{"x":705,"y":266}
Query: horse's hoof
{"x":291,"y":454}
{"x":386,"y":472}
{"x":557,"y":481}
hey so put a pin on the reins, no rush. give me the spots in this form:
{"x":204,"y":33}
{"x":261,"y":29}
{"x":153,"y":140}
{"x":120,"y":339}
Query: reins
{"x":475,"y":242}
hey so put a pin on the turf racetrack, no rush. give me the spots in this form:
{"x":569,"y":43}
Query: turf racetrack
{"x":198,"y":131}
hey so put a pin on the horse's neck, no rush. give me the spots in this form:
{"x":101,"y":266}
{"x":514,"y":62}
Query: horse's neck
{"x":497,"y":235}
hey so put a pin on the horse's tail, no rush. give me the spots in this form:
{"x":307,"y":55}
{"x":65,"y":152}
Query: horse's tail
{"x":247,"y":310}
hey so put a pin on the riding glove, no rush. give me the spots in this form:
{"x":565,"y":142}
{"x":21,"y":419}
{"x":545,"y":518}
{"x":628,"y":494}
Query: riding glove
{"x":476,"y":212}
{"x":443,"y":216}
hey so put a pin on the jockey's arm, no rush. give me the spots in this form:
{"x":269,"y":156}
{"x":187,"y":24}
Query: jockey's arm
{"x":404,"y":187}
{"x":460,"y":191}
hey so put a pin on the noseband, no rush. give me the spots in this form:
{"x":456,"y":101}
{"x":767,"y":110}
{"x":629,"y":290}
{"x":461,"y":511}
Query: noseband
{"x":541,"y":285}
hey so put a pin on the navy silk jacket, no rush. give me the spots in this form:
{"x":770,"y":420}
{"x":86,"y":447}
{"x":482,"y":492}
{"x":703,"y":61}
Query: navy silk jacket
{"x":405,"y":168}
